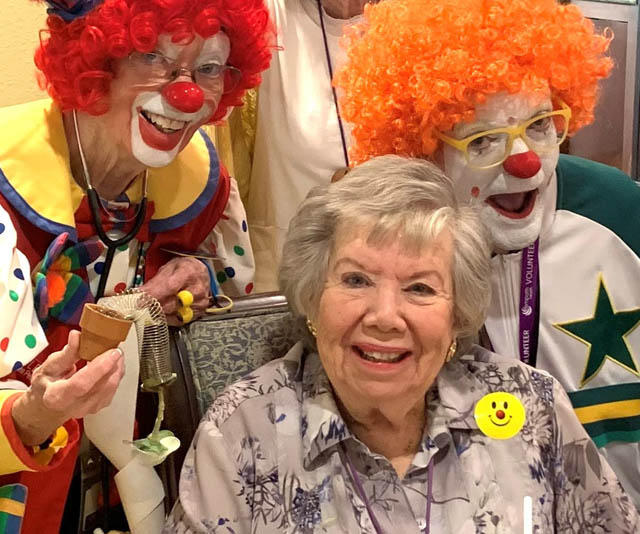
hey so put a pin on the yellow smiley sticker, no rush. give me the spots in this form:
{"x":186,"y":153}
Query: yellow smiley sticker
{"x":499,"y":415}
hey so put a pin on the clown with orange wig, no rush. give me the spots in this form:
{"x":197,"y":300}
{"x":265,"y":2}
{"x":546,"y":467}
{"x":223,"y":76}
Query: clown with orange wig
{"x":111,"y":184}
{"x":489,"y":90}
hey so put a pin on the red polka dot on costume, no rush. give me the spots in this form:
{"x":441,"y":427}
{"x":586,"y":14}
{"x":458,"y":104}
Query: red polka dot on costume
{"x":249,"y":288}
{"x":120,"y":287}
{"x":4,"y":344}
{"x":475,"y":191}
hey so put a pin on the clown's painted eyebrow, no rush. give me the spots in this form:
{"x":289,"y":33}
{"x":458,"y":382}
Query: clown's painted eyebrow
{"x":466,"y":130}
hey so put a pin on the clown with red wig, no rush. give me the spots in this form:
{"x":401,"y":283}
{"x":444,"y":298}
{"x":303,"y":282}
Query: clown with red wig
{"x":111,"y":184}
{"x":489,"y":90}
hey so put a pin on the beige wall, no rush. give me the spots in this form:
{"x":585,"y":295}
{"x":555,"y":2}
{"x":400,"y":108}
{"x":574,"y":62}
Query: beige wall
{"x":20,"y":22}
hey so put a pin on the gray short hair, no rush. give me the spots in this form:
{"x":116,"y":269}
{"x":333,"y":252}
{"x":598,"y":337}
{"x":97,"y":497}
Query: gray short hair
{"x":395,"y":196}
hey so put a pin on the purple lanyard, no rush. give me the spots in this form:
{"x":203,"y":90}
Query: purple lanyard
{"x":363,"y":495}
{"x":528,"y":310}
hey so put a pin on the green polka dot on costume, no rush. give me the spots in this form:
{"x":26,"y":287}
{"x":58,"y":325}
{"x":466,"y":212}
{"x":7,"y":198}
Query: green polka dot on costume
{"x":30,"y":341}
{"x":221,"y":276}
{"x":122,"y":248}
{"x":13,"y":296}
{"x":238,"y":250}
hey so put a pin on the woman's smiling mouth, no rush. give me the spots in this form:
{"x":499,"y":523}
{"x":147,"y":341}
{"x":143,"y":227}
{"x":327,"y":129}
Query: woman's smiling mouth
{"x":381,"y":357}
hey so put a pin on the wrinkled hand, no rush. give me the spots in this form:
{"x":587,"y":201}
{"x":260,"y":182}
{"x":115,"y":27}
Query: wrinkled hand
{"x":174,"y":276}
{"x":59,"y":391}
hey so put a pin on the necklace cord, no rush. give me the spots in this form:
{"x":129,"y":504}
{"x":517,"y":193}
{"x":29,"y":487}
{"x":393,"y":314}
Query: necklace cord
{"x":333,"y":89}
{"x":363,"y":497}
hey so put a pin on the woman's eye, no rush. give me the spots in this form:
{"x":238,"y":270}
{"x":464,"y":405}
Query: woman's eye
{"x":421,"y":289}
{"x":355,"y":280}
{"x":210,"y":69}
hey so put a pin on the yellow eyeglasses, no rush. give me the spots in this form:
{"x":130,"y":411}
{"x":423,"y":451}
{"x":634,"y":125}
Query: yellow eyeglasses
{"x":541,"y":133}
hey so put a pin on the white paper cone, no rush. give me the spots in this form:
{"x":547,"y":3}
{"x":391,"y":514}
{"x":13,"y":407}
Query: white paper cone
{"x":111,"y":429}
{"x":142,"y":497}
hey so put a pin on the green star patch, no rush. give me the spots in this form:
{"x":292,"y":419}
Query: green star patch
{"x":605,"y":335}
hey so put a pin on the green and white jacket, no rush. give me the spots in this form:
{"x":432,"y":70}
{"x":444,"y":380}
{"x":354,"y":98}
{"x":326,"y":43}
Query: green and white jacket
{"x":589,"y":265}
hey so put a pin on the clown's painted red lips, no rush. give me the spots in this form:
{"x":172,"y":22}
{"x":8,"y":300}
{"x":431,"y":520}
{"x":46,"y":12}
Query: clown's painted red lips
{"x":514,"y":205}
{"x":160,"y":133}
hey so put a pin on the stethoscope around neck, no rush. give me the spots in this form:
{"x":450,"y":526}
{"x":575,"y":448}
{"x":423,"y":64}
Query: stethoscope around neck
{"x":94,"y":205}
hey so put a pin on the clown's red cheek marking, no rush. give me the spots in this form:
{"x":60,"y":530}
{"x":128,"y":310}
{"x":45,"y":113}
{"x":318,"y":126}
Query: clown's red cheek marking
{"x":475,"y":192}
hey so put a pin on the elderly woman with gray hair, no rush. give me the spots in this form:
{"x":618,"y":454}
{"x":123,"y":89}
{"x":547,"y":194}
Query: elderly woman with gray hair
{"x":387,"y":419}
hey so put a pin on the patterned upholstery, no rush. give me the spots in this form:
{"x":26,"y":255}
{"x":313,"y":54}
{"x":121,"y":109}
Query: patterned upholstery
{"x":222,"y":351}
{"x":209,"y":354}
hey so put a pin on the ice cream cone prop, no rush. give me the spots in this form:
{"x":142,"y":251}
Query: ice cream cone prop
{"x":102,"y":329}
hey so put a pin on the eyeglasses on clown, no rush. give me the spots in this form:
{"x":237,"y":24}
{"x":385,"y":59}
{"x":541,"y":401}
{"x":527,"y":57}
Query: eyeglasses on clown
{"x":490,"y":148}
{"x":159,"y":69}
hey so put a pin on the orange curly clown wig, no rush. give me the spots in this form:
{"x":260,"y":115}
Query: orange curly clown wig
{"x":416,"y":67}
{"x":77,"y":57}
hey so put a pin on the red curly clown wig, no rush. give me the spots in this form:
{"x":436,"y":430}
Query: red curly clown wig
{"x":77,"y":57}
{"x":417,"y":67}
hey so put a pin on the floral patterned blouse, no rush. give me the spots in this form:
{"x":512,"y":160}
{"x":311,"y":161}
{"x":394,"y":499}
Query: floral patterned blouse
{"x":270,"y":457}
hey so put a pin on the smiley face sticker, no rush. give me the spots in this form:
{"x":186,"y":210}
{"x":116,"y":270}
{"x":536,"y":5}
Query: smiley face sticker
{"x":499,"y":415}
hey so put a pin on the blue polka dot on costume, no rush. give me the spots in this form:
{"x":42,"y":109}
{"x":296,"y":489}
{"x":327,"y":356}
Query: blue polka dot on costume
{"x":244,"y":226}
{"x":16,"y":366}
{"x":99,"y":267}
{"x":18,"y":274}
{"x":1,"y":228}
{"x":230,"y":271}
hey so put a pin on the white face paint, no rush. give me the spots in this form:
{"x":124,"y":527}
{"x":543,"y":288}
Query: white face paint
{"x":153,"y":147}
{"x":514,"y":218}
{"x":158,"y":130}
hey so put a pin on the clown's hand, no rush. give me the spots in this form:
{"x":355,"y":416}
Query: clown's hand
{"x":180,"y":274}
{"x":59,"y":391}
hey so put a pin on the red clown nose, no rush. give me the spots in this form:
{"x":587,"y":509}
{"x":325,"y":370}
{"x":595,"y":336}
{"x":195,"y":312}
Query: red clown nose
{"x":184,"y":96}
{"x":523,"y":165}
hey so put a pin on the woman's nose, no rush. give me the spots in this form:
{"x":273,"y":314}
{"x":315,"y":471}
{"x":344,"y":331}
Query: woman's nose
{"x":523,"y":165}
{"x":384,"y":312}
{"x":184,"y":96}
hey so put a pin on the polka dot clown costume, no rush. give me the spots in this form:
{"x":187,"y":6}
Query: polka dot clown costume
{"x":489,"y":89}
{"x":111,"y":184}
